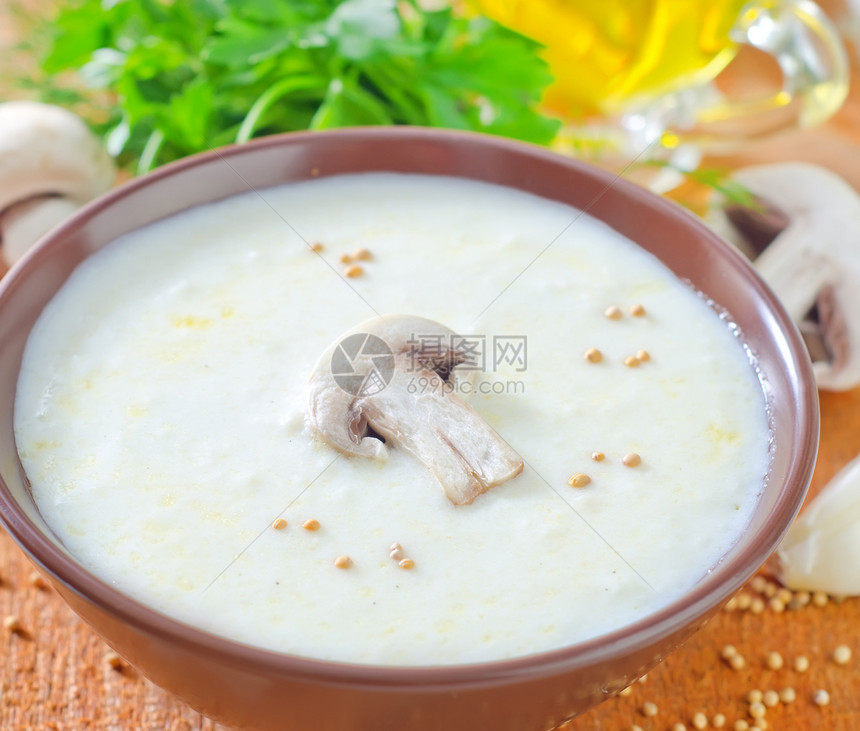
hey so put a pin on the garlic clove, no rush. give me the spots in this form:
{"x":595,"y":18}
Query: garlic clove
{"x":821,"y":551}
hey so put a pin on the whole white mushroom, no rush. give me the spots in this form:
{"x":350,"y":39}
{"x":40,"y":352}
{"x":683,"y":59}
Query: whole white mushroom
{"x":50,"y":165}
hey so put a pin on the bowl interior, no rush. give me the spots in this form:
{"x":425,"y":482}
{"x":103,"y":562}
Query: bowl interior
{"x":686,"y":246}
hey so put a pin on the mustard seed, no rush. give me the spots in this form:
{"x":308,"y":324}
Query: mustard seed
{"x":737,"y":662}
{"x":784,"y":595}
{"x":598,"y":456}
{"x":317,"y":246}
{"x":757,"y":605}
{"x":613,"y":313}
{"x":593,"y":355}
{"x":637,"y":311}
{"x":820,"y":599}
{"x":649,"y":709}
{"x":728,"y":651}
{"x":642,"y":678}
{"x":771,"y":698}
{"x":631,"y":361}
{"x":718,"y":720}
{"x":802,"y":598}
{"x":700,"y":720}
{"x":12,"y":623}
{"x":279,"y":524}
{"x":312,"y":524}
{"x":361,"y":255}
{"x":679,"y":727}
{"x":345,"y":259}
{"x":774,"y":660}
{"x":754,"y":696}
{"x":787,"y":695}
{"x":636,"y":727}
{"x":758,"y":583}
{"x":821,"y":698}
{"x":741,"y":725}
{"x":744,"y":601}
{"x":757,"y":709}
{"x":801,"y":663}
{"x":631,"y":459}
{"x":579,"y":479}
{"x":353,"y":271}
{"x":770,"y":589}
{"x":396,"y":551}
{"x":37,"y":581}
{"x":114,"y":660}
{"x":626,"y":691}
{"x":643,"y":356}
{"x":343,"y":562}
{"x":406,"y":563}
{"x":842,"y":655}
{"x":776,"y":605}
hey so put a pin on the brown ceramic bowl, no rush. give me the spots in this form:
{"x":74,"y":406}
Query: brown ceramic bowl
{"x":252,"y":688}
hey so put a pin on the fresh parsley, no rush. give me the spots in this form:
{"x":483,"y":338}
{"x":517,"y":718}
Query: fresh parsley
{"x":187,"y":75}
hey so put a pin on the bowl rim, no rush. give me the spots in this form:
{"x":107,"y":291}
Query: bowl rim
{"x":695,"y":604}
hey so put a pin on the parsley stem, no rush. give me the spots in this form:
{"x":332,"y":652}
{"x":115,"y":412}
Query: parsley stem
{"x":271,"y":95}
{"x":150,"y":152}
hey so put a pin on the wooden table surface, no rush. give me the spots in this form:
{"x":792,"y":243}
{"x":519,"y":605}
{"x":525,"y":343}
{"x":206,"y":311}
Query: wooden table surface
{"x":56,"y":673}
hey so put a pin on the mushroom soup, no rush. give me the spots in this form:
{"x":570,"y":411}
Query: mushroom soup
{"x":391,"y":419}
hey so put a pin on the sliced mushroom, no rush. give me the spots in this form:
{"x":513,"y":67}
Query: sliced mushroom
{"x":390,"y":378}
{"x":47,"y":154}
{"x":813,"y":263}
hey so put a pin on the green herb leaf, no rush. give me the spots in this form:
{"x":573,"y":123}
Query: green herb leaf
{"x":185,"y":75}
{"x":718,"y":180}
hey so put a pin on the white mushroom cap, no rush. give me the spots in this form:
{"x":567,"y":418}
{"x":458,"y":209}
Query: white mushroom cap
{"x":44,"y":150}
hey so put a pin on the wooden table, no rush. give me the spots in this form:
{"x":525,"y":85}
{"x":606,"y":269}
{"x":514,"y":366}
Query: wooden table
{"x":56,"y":673}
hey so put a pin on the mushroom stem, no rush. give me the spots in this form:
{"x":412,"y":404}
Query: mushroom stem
{"x":25,"y":223}
{"x":390,"y":378}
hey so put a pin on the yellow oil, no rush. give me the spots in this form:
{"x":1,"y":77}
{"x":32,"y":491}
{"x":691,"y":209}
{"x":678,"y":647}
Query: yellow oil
{"x":606,"y":53}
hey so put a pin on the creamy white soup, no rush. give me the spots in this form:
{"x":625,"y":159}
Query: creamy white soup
{"x":161,"y":417}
